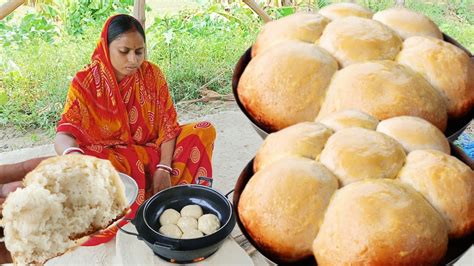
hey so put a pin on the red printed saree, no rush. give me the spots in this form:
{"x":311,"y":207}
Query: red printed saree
{"x":127,"y":122}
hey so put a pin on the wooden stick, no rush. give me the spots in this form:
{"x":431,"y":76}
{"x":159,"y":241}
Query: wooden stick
{"x":204,"y":86}
{"x":205,"y":99}
{"x":139,"y":11}
{"x":139,"y":14}
{"x":257,"y":9}
{"x":9,"y":7}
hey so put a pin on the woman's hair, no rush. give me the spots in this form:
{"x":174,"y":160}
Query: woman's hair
{"x":123,"y":23}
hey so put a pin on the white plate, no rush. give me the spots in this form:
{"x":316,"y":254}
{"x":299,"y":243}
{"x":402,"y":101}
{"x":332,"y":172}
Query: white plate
{"x":131,"y":188}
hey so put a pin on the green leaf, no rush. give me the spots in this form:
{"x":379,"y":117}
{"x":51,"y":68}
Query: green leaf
{"x":229,"y":17}
{"x":3,"y":98}
{"x":285,"y":11}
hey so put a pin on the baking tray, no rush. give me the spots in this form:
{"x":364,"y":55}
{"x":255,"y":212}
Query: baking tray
{"x":456,"y":247}
{"x":454,"y":125}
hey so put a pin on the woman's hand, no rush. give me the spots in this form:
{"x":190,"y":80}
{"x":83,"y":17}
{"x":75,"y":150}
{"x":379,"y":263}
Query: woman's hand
{"x":6,"y":189}
{"x":162,"y":177}
{"x":161,"y":180}
{"x":64,"y":141}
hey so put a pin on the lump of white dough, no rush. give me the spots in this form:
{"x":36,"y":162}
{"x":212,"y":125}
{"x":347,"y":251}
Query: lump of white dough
{"x":192,"y":233}
{"x":169,"y":216}
{"x":171,"y":230}
{"x":186,"y":223}
{"x":194,"y":211}
{"x":208,"y":224}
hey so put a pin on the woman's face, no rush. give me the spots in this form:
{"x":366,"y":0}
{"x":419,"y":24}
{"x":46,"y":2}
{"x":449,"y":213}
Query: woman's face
{"x":127,"y":53}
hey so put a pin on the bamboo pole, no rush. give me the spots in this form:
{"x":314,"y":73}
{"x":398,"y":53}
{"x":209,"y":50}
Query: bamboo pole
{"x":139,"y":11}
{"x":257,"y":9}
{"x":9,"y":7}
{"x":139,"y":14}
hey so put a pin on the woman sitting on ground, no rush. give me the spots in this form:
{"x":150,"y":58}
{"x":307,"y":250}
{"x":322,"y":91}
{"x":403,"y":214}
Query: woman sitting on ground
{"x":119,"y":108}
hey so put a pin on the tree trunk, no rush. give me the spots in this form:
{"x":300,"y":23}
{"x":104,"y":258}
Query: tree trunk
{"x":9,"y":7}
{"x":139,"y":11}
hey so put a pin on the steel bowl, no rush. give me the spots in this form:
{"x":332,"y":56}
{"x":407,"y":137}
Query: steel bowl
{"x":131,"y":188}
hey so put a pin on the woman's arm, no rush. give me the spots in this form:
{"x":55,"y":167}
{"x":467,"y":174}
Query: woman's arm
{"x":162,"y":178}
{"x":167,"y":150}
{"x":64,"y":141}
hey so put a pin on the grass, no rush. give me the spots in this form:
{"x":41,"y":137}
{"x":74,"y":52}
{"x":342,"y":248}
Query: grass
{"x":455,"y":18}
{"x":35,"y":78}
{"x":163,"y":7}
{"x":198,"y":57}
{"x":38,"y":87}
{"x":193,"y":48}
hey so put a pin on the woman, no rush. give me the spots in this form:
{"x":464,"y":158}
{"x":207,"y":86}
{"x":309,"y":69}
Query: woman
{"x":119,"y":108}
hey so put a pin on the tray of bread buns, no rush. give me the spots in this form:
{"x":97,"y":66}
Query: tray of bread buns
{"x":395,"y":62}
{"x":352,"y":189}
{"x":356,"y":167}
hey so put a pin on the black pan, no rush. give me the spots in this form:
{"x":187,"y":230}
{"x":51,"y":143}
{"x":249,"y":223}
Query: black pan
{"x":147,"y":224}
{"x":456,"y":247}
{"x":454,"y":125}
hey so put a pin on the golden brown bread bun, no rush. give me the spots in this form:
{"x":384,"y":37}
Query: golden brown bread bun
{"x":408,"y":23}
{"x":341,"y":10}
{"x":305,"y":27}
{"x":448,"y":69}
{"x":354,"y":40}
{"x":447,"y":183}
{"x":380,"y":222}
{"x":65,"y":198}
{"x":305,"y":139}
{"x":286,"y":84}
{"x":384,"y":89}
{"x":349,"y":118}
{"x":354,"y":154}
{"x":283,"y":205}
{"x":414,"y":133}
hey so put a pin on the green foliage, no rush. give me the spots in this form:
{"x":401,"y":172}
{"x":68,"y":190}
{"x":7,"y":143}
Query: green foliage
{"x":86,"y":13}
{"x":377,"y":5}
{"x":71,"y":16}
{"x":279,"y":12}
{"x":195,"y":48}
{"x":465,"y":9}
{"x":454,"y":18}
{"x":35,"y":79}
{"x":322,"y":3}
{"x":32,"y":27}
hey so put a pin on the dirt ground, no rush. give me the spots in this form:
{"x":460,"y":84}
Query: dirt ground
{"x":12,"y":138}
